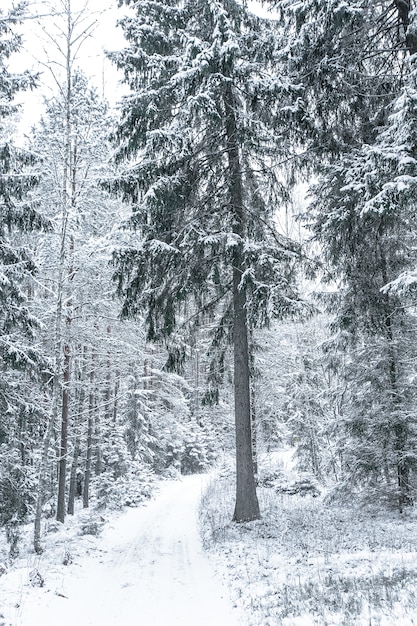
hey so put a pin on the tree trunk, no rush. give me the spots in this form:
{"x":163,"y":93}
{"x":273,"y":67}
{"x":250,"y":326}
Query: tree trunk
{"x":63,"y":452}
{"x":246,"y":506}
{"x":73,"y":478}
{"x":77,"y":445}
{"x":401,"y":429}
{"x":253,"y":402}
{"x":108,"y":388}
{"x":67,"y":184}
{"x":60,"y":513}
{"x":90,"y":438}
{"x":98,"y":465}
{"x":42,"y":486}
{"x":116,"y":395}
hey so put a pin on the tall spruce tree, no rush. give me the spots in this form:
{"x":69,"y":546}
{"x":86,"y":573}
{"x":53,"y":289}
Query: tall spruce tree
{"x":18,"y":213}
{"x":19,"y":360}
{"x":366,"y":241}
{"x":348,"y":62}
{"x":351,"y":64}
{"x":197,"y":139}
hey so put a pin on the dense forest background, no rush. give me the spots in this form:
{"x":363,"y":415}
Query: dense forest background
{"x":249,"y":206}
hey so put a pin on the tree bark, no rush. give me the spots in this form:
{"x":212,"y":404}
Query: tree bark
{"x":116,"y":396}
{"x":253,"y":403}
{"x":90,"y":438}
{"x":42,"y":485}
{"x":246,"y":506}
{"x":108,"y":388}
{"x":67,"y":192}
{"x":401,"y":429}
{"x":60,"y":513}
{"x":73,"y":478}
{"x":77,"y":445}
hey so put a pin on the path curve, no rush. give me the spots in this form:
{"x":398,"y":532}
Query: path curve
{"x":153,"y":571}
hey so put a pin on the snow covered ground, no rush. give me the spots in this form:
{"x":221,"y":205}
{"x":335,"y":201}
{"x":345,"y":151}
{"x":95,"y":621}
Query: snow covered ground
{"x":306,"y":563}
{"x":303,"y":564}
{"x":147,"y":567}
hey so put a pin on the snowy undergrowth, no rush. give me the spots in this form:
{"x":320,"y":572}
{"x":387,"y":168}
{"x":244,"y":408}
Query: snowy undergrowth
{"x":306,"y":562}
{"x":65,"y":547}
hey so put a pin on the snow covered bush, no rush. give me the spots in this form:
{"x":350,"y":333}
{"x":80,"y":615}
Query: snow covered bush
{"x":129,"y":489}
{"x":198,"y":451}
{"x":16,"y":487}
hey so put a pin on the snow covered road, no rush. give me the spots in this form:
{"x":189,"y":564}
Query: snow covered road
{"x":150,"y":571}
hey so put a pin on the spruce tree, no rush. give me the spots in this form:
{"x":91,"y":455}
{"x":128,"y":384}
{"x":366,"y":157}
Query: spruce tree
{"x":351,"y":60}
{"x":18,"y":212}
{"x":197,"y":141}
{"x":348,"y":62}
{"x":20,"y":406}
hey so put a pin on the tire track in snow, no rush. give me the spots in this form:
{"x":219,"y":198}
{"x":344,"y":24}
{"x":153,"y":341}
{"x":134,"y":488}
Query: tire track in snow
{"x":152,"y":571}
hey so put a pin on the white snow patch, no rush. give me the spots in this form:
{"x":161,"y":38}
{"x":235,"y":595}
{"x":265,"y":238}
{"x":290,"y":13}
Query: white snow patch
{"x":147,"y":567}
{"x":309,"y":562}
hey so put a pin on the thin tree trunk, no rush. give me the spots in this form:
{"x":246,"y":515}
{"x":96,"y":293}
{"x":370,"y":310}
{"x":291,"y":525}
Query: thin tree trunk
{"x":90,"y":438}
{"x":87,"y":472}
{"x":98,"y":461}
{"x":108,"y":389}
{"x":62,"y":464}
{"x":73,"y":477}
{"x":60,"y":513}
{"x":246,"y":506}
{"x":77,"y":445}
{"x":42,"y":486}
{"x":116,"y":396}
{"x":63,"y":451}
{"x":98,"y":465}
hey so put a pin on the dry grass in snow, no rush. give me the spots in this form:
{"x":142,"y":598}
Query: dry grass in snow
{"x":307,"y":562}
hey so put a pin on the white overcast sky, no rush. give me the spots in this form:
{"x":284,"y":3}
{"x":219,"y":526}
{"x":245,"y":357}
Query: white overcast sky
{"x":92,"y":59}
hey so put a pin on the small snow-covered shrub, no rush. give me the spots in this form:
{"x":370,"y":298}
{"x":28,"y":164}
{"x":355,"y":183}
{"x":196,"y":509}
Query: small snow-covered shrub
{"x":302,"y":487}
{"x":129,"y":489}
{"x":92,"y":527}
{"x":67,"y":557}
{"x":17,"y":487}
{"x":188,"y":448}
{"x":270,"y":478}
{"x":194,"y":453}
{"x":36,"y":579}
{"x":53,"y":526}
{"x":171,"y":473}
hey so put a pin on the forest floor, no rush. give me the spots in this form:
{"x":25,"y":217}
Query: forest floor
{"x":312,"y":562}
{"x":305,"y":563}
{"x":146,"y":566}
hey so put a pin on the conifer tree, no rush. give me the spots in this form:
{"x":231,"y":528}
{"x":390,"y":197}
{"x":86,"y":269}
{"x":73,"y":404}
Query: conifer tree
{"x":20,"y":361}
{"x":348,"y":62}
{"x":351,"y":60}
{"x":382,"y":185}
{"x":18,"y":211}
{"x":197,"y":140}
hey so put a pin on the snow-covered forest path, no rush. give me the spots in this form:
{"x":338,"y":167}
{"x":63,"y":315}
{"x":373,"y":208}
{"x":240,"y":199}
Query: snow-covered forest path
{"x":150,"y":571}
